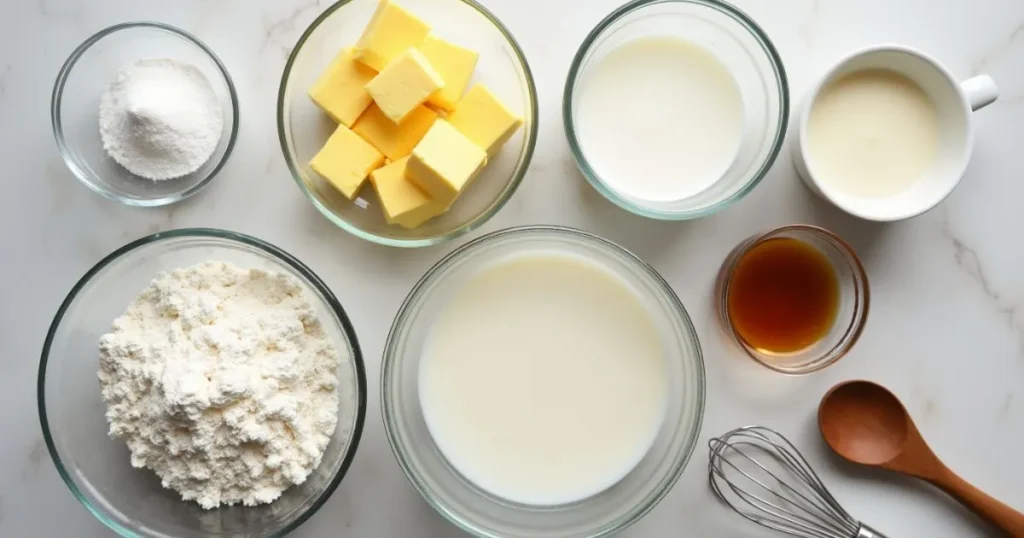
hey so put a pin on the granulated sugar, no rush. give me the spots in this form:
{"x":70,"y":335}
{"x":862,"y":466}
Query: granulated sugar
{"x":160,"y":119}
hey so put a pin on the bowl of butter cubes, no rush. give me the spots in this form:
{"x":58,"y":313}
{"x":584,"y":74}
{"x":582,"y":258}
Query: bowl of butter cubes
{"x":409,"y":122}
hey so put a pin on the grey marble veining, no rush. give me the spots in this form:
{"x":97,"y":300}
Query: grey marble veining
{"x":946,"y":329}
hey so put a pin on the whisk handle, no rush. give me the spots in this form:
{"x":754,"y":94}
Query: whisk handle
{"x":867,"y":532}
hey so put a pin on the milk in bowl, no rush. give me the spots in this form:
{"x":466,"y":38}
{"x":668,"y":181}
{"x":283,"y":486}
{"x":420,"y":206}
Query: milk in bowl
{"x":544,"y":379}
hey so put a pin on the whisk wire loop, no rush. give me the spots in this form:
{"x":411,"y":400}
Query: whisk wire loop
{"x":760,"y":475}
{"x":785,"y":508}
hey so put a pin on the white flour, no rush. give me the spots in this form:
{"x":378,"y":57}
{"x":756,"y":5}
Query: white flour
{"x":160,"y":119}
{"x":223,"y":382}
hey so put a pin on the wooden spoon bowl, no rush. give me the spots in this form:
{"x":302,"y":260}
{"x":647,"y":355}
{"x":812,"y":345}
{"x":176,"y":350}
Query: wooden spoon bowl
{"x":865,"y":423}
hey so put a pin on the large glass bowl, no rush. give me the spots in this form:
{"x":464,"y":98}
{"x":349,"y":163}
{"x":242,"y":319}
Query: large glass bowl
{"x":745,"y":50}
{"x":303,"y":128}
{"x":475,"y":510}
{"x":97,"y":468}
{"x":75,"y":106}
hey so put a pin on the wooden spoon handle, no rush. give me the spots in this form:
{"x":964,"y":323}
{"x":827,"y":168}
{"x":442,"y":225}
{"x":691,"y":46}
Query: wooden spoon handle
{"x":1001,"y":515}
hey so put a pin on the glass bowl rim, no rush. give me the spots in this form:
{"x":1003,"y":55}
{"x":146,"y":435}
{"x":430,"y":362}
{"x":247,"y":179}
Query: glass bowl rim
{"x":265,"y":248}
{"x":480,"y":219}
{"x":781,"y":79}
{"x":834,"y":354}
{"x":667,"y":482}
{"x":56,"y":120}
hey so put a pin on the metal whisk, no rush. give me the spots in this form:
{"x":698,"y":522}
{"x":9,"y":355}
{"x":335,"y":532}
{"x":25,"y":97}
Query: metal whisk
{"x":764,"y":478}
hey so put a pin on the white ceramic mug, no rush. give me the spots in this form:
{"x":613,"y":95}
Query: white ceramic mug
{"x":955,"y":102}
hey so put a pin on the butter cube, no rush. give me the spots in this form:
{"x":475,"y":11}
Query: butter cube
{"x":455,"y":65}
{"x":394,"y":140}
{"x":484,"y":120}
{"x":404,"y":203}
{"x":340,"y":90}
{"x":404,"y":85}
{"x":444,"y":162}
{"x":391,"y":31}
{"x":346,"y":160}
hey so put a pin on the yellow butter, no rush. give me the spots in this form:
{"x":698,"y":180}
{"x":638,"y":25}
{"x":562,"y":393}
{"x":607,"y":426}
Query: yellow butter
{"x":392,"y":30}
{"x":484,"y":120}
{"x":404,"y":84}
{"x":346,"y":160}
{"x":444,"y":162}
{"x":340,"y":90}
{"x":394,"y":140}
{"x":403,"y":202}
{"x":455,"y":64}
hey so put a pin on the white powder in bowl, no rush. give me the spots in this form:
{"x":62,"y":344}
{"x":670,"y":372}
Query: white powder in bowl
{"x":160,"y":119}
{"x":223,"y":382}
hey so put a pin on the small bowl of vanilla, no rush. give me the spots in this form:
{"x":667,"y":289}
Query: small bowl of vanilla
{"x":144,"y":113}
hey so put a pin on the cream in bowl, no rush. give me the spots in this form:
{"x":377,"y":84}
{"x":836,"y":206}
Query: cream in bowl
{"x":675,"y":109}
{"x":660,"y":118}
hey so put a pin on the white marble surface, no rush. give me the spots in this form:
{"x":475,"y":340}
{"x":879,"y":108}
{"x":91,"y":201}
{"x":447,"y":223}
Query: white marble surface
{"x":946,"y":329}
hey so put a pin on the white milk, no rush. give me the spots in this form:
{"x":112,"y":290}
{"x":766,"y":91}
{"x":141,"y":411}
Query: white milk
{"x":659,"y":118}
{"x":872,"y":133}
{"x":544,"y":379}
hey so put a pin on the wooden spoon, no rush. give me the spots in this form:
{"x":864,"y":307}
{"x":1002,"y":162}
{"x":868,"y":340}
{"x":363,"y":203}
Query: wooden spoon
{"x":865,"y":423}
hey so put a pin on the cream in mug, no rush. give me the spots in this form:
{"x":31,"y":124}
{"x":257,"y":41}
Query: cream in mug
{"x":872,"y":133}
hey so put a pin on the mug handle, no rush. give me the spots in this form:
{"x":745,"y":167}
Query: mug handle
{"x":980,"y":91}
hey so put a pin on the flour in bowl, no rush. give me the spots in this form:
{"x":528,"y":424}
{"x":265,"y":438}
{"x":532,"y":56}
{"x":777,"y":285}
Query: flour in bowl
{"x":223,"y":382}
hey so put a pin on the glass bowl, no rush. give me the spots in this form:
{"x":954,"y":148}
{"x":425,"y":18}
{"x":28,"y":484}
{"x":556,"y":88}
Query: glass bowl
{"x":74,"y":109}
{"x":97,"y":468}
{"x":740,"y":44}
{"x":475,"y":510}
{"x":851,"y":314}
{"x":303,"y":128}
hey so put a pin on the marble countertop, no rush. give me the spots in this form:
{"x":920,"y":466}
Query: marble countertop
{"x":946,"y":329}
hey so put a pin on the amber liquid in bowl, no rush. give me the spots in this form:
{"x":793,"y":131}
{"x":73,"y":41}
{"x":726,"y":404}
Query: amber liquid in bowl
{"x":783,"y":296}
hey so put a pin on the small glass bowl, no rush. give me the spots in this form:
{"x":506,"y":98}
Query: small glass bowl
{"x":851,"y":314}
{"x":473,"y":509}
{"x":97,"y":468}
{"x":303,"y":128}
{"x":75,"y":105}
{"x":740,"y":44}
